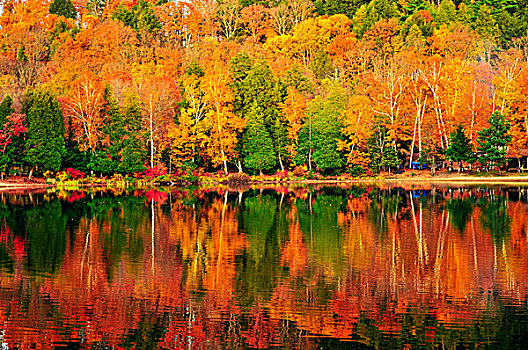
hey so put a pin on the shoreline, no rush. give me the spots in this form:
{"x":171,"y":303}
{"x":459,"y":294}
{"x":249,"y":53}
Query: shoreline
{"x":455,"y":179}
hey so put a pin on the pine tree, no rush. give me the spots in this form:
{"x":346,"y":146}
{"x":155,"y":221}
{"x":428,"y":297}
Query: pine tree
{"x":133,"y":150}
{"x":256,"y":89}
{"x":322,"y":130}
{"x":12,"y":153}
{"x":493,"y":140}
{"x":257,"y":144}
{"x":459,"y":149}
{"x":45,"y":137}
{"x":106,"y":160}
{"x":63,"y":8}
{"x":390,"y":159}
{"x":5,"y":109}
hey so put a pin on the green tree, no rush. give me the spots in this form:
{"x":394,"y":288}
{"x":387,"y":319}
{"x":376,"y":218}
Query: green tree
{"x":493,"y":140}
{"x":485,"y":24}
{"x":446,"y":13}
{"x":257,"y":89}
{"x":140,"y":17}
{"x":459,"y":149}
{"x":334,"y":7}
{"x":257,"y":144}
{"x":322,"y":130}
{"x":390,"y":159}
{"x":511,"y":25}
{"x":13,"y":137}
{"x":63,"y":8}
{"x":133,"y":152}
{"x":106,"y":161}
{"x":321,"y":65}
{"x":45,"y":137}
{"x":73,"y":157}
{"x":5,"y":109}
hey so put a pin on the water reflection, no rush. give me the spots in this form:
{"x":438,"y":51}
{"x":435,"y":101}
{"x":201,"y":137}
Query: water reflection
{"x":305,"y":267}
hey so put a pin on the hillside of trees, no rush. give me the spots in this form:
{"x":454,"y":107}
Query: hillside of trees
{"x":237,"y":85}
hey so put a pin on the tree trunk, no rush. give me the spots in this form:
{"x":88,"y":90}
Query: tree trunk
{"x":280,"y":162}
{"x":413,"y":141}
{"x":31,"y":173}
{"x":239,"y":166}
{"x":224,"y":161}
{"x":151,"y":137}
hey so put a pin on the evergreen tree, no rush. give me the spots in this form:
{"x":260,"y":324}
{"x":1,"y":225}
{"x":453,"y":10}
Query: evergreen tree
{"x":73,"y":157}
{"x":63,"y":8}
{"x":240,"y":65}
{"x":133,"y":152}
{"x":446,"y":13}
{"x":321,"y":65}
{"x":106,"y":160}
{"x":296,"y":78}
{"x":459,"y":149}
{"x":257,"y":89}
{"x":257,"y":143}
{"x":493,"y":140}
{"x":485,"y":24}
{"x":390,"y":159}
{"x":334,"y":7}
{"x":511,"y":26}
{"x":322,"y":130}
{"x":140,"y":17}
{"x":5,"y":109}
{"x":13,"y":153}
{"x":45,"y":137}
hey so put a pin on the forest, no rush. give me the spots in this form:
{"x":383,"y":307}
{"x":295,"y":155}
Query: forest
{"x":388,"y":267}
{"x":333,"y":86}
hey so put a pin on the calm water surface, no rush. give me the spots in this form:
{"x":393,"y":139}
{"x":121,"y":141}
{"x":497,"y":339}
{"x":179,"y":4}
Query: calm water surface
{"x":299,"y":268}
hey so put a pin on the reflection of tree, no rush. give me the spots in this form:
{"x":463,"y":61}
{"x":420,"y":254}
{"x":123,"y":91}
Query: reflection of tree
{"x":495,"y":217}
{"x":318,"y":220}
{"x":46,"y":230}
{"x":233,"y":273}
{"x":383,"y":206}
{"x":460,"y":209}
{"x":266,"y":229}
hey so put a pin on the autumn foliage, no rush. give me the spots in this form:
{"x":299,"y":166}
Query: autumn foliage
{"x":256,"y":87}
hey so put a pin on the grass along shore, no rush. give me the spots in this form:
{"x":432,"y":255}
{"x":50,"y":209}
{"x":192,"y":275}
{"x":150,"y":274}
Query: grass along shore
{"x":240,"y":178}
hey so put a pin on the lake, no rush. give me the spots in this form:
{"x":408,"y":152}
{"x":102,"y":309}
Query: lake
{"x":300,"y":267}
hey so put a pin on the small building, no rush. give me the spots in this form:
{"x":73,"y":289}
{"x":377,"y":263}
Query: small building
{"x":519,"y":161}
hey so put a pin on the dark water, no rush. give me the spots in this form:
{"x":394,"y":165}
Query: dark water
{"x":298,"y":268}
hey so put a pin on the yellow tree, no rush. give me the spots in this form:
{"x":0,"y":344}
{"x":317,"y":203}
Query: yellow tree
{"x":357,"y":129}
{"x":294,"y":109}
{"x":310,"y":36}
{"x":158,"y":94}
{"x":222,"y":123}
{"x":189,"y":134}
{"x":509,"y":69}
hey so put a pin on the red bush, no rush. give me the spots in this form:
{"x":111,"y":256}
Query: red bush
{"x":74,"y":173}
{"x":153,"y":172}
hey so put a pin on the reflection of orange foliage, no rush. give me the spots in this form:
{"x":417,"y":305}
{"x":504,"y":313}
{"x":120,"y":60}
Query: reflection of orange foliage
{"x":294,"y":254}
{"x":420,"y":262}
